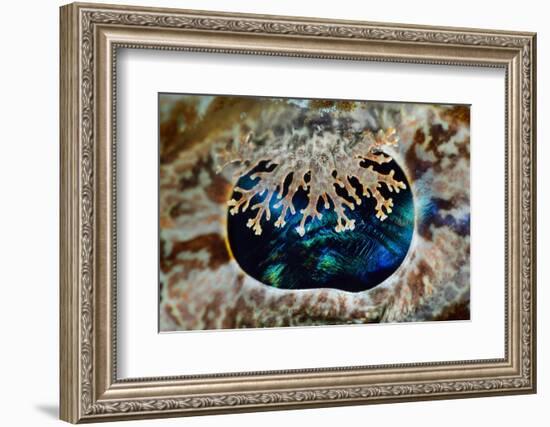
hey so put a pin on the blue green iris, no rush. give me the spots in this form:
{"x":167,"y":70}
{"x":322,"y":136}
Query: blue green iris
{"x":353,"y":260}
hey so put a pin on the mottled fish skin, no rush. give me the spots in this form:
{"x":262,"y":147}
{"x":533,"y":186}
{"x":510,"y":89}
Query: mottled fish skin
{"x":203,"y":287}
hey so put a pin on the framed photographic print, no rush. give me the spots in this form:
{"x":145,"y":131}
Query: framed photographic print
{"x":266,"y":212}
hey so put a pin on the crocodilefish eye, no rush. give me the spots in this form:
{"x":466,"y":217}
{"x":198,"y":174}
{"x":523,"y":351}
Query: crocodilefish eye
{"x":332,"y":212}
{"x":281,"y":212}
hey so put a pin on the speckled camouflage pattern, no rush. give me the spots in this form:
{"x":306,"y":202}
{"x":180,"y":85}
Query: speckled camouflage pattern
{"x":203,"y":287}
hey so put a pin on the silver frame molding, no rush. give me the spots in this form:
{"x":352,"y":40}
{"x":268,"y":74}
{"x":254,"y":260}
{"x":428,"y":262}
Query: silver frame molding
{"x":90,"y":37}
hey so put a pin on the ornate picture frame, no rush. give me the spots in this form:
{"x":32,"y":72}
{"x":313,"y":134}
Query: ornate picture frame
{"x":90,"y":37}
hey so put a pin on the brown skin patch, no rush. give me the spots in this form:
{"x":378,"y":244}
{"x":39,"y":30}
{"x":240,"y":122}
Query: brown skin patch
{"x":306,"y":301}
{"x":288,"y":300}
{"x":183,"y":114}
{"x":415,"y":166}
{"x":168,"y":309}
{"x":424,"y":229}
{"x":257,"y":296}
{"x":228,"y":321}
{"x":319,"y":104}
{"x":342,"y":306}
{"x":416,"y":283}
{"x":239,"y":282}
{"x":212,"y":310}
{"x":357,"y":315}
{"x":346,"y":105}
{"x":188,"y":267}
{"x":439,"y":136}
{"x":182,"y":208}
{"x":397,"y":290}
{"x":444,"y":204}
{"x":240,"y":308}
{"x":379,"y":295}
{"x":184,"y":312}
{"x":213,"y":243}
{"x":218,"y":190}
{"x":458,"y":115}
{"x":244,"y":314}
{"x":322,"y":298}
{"x":222,"y":113}
{"x":190,"y":183}
{"x":419,"y":137}
{"x":464,"y":149}
{"x":457,"y":311}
